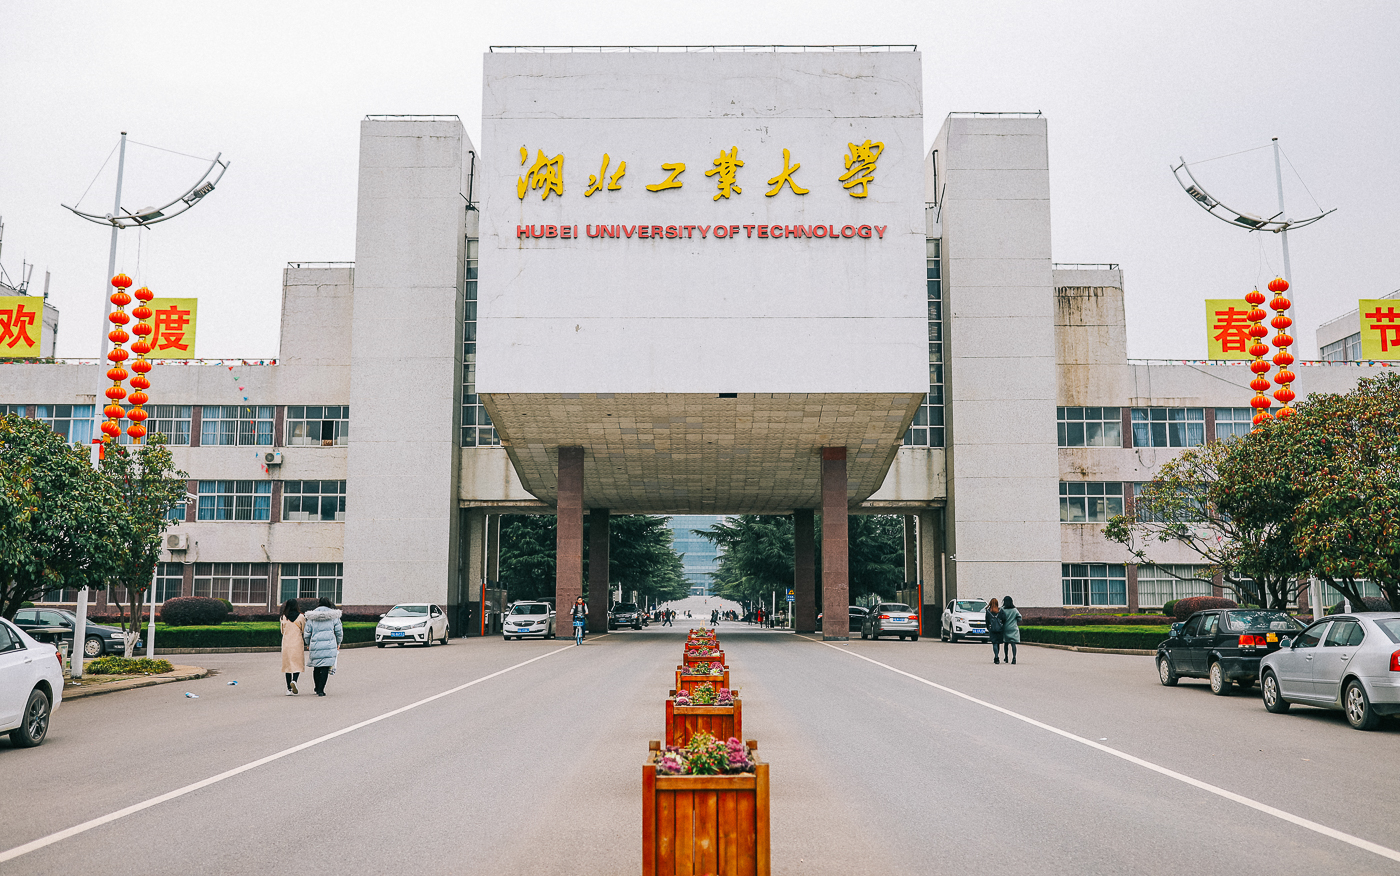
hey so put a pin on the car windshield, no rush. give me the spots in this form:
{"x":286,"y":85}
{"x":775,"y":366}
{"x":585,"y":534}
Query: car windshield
{"x":895,"y":606}
{"x":407,"y":611}
{"x":1391,"y":627}
{"x":1276,"y":621}
{"x":625,"y":606}
{"x":969,"y":605}
{"x":531,"y":608}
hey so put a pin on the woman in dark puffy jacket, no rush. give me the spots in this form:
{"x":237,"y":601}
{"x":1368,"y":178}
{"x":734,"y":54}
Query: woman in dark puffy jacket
{"x":323,"y":636}
{"x":995,"y":622}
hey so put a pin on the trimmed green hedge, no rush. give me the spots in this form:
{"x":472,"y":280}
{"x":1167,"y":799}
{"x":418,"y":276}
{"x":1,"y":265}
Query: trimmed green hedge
{"x":1134,"y":638}
{"x":259,"y":634}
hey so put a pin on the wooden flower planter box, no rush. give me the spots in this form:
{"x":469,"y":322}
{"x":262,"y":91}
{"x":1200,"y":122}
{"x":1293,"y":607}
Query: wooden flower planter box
{"x":721,"y":722}
{"x":698,"y":825}
{"x":687,"y":660}
{"x":689,"y":683}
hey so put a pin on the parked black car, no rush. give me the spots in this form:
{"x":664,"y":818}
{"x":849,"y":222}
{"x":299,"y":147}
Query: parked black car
{"x":857,"y":619}
{"x":625,"y":614}
{"x":1223,"y":645}
{"x":98,"y":639}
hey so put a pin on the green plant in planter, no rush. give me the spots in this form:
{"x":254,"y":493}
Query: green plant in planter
{"x":704,"y":695}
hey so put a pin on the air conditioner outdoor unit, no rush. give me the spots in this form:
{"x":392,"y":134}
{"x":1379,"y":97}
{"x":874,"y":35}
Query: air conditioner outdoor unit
{"x":177,"y":541}
{"x":273,"y":457}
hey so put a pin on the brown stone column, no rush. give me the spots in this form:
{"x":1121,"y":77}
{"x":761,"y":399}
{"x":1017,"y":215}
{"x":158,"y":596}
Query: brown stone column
{"x":804,"y":571}
{"x":598,"y":570}
{"x":568,"y":560}
{"x":1133,"y":604}
{"x":835,"y":547}
{"x":911,"y":550}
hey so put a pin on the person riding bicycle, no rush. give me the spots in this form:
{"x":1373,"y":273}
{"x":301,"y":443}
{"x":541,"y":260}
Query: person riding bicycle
{"x":580,"y":616}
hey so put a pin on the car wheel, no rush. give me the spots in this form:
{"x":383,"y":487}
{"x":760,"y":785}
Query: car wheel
{"x":952,"y":638}
{"x":863,"y":635}
{"x":1358,"y":708}
{"x":1165,"y":673}
{"x":901,"y":638}
{"x":1273,"y":700}
{"x":92,"y":647}
{"x":942,"y":634}
{"x":35,"y":724}
{"x":1219,"y":684}
{"x":913,"y":638}
{"x":381,"y":644}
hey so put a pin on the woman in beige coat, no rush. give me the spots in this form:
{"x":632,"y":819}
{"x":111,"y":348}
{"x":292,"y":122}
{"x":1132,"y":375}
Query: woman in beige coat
{"x":293,"y":648}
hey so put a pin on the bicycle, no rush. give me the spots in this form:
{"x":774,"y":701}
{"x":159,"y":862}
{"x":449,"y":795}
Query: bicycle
{"x":578,"y":631}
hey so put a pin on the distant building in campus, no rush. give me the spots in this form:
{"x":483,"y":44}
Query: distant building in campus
{"x":699,"y":555}
{"x":783,"y":303}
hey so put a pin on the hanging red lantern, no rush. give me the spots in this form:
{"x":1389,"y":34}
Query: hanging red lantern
{"x":1284,"y":378}
{"x":1258,"y":349}
{"x":141,"y":366}
{"x":118,"y":336}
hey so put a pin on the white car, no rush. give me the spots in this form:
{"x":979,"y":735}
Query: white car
{"x":419,"y":622}
{"x":964,"y":619}
{"x":529,"y":619}
{"x":31,"y":686}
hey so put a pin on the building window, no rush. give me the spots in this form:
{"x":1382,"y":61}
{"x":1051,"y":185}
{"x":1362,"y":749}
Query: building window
{"x":1184,"y":508}
{"x":235,"y":500}
{"x":1233,"y":423}
{"x":318,"y":425}
{"x":1348,"y":349}
{"x":1090,"y":427}
{"x":17,"y":410}
{"x":239,"y":583}
{"x":1169,"y":427}
{"x":1094,"y":583}
{"x":313,"y":500}
{"x":477,"y":430}
{"x":170,"y":577}
{"x":312,"y":581}
{"x":1090,"y":501}
{"x":59,"y":596}
{"x":176,"y":514}
{"x":172,"y":421}
{"x":73,"y":422}
{"x":1159,"y":584}
{"x":927,"y":428}
{"x":245,"y":425}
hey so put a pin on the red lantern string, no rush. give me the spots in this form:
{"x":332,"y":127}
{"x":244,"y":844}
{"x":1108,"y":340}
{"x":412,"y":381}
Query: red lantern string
{"x":139,"y":382}
{"x":1257,"y":349}
{"x":1284,"y":378}
{"x":118,"y":336}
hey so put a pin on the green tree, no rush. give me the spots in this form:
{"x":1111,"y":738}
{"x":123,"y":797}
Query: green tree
{"x":641,"y":556}
{"x":147,"y":487}
{"x":527,"y":566}
{"x":876,"y":546}
{"x":1213,"y":501}
{"x":1335,"y":466}
{"x":755,"y":556}
{"x":59,"y":515}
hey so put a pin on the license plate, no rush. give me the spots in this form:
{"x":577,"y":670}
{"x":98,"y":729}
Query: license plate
{"x":398,"y":635}
{"x":1271,"y":637}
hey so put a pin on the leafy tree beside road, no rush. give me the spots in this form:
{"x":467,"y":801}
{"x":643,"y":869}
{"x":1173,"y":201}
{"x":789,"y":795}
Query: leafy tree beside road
{"x":641,"y":556}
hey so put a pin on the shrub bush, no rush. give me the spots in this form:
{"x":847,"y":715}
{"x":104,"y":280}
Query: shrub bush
{"x":194,"y":611}
{"x":1373,"y":603}
{"x":1097,"y":637}
{"x":125,"y":666}
{"x":1169,"y":608}
{"x":1094,"y":620}
{"x":1184,"y":608}
{"x":243,"y":636}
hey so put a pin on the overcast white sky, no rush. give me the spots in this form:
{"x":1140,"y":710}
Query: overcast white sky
{"x":280,"y":88}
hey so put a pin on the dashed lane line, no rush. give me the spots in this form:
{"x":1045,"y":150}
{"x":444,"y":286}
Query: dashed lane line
{"x":1358,"y":842}
{"x":35,"y":845}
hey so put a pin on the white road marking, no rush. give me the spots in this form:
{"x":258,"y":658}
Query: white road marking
{"x":52,"y":838}
{"x":1265,"y":808}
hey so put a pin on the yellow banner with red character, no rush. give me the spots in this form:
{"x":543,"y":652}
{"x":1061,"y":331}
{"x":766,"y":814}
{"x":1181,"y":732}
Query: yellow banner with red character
{"x":1227,"y":328}
{"x":21,"y":324}
{"x":173,"y":321}
{"x":1380,"y":328}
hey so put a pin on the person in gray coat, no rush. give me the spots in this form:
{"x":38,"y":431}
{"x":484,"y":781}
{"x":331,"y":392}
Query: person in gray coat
{"x":1010,"y":628}
{"x":323,"y":636}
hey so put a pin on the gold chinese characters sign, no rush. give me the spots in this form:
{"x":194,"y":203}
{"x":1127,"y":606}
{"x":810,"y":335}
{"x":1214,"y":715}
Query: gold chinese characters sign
{"x":21,"y":324}
{"x":1380,"y":328}
{"x":173,"y":323}
{"x":1227,"y":329}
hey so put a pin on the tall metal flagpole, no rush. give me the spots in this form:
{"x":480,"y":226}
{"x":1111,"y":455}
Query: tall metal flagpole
{"x":80,"y":628}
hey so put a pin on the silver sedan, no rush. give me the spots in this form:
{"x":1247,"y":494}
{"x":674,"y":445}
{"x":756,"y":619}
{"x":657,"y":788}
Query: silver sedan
{"x":1346,"y":662}
{"x":891,"y":619}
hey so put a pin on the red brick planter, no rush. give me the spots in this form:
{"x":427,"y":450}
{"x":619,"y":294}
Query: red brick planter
{"x":721,"y":722}
{"x":697,"y":825}
{"x":689,"y":683}
{"x":687,"y":660}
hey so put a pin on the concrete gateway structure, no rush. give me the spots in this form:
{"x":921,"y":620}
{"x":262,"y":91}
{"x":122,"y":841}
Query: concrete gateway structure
{"x":681,"y":283}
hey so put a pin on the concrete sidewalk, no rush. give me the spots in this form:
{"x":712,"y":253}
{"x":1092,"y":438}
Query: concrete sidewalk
{"x":91,"y":686}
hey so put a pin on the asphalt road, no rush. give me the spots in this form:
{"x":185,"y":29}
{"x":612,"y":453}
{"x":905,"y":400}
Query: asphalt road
{"x":537,"y":770}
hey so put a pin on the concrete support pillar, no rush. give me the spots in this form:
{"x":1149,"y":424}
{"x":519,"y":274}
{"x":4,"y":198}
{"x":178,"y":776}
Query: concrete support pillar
{"x":804,"y":571}
{"x":835,"y":546}
{"x":493,"y":550}
{"x":930,"y":526}
{"x":467,"y":620}
{"x":911,"y":550}
{"x":598,"y":570}
{"x":568,"y":560}
{"x":1133,"y":604}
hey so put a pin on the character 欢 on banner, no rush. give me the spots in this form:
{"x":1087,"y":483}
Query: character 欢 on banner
{"x":21,"y":324}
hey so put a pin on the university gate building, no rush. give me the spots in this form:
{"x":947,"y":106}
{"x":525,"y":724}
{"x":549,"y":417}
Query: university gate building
{"x":690,"y":282}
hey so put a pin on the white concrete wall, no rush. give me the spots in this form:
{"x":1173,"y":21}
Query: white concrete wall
{"x":317,"y":307}
{"x":702,"y":315}
{"x":406,"y":343}
{"x":916,"y":477}
{"x":998,"y":288}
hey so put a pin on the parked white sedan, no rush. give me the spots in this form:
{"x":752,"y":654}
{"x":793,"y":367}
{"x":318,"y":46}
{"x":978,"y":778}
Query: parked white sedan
{"x":529,"y":619}
{"x":31,"y":686}
{"x":1346,"y":662}
{"x":420,"y":622}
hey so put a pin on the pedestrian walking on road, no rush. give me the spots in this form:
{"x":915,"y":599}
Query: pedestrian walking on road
{"x":293,"y":647}
{"x":323,"y":636}
{"x":1010,"y":628}
{"x":995,"y":625}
